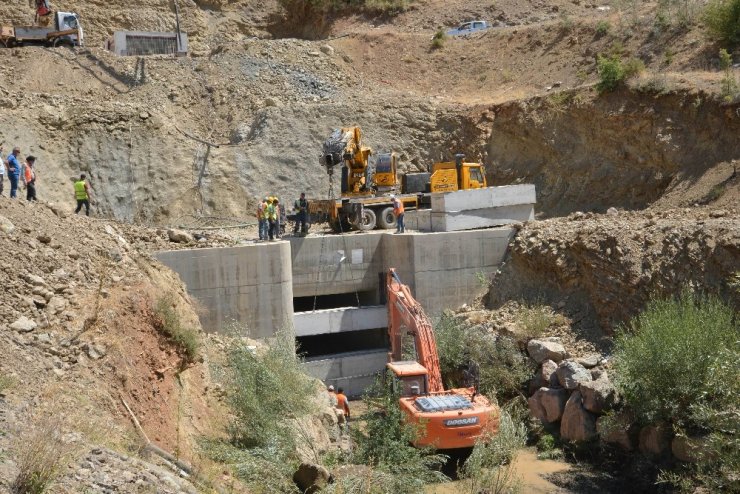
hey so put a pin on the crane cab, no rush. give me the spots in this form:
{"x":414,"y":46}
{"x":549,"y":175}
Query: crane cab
{"x":450,"y":176}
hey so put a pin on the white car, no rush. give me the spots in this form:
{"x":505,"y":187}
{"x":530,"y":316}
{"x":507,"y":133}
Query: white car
{"x":468,"y":27}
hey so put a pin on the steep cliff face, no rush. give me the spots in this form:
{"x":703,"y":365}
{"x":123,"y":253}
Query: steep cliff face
{"x":626,"y":149}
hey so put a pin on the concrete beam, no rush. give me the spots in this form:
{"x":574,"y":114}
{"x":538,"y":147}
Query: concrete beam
{"x":340,"y":320}
{"x":490,"y":197}
{"x":481,"y":218}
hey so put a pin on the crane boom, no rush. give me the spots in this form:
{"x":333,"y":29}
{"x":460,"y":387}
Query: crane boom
{"x":405,"y":311}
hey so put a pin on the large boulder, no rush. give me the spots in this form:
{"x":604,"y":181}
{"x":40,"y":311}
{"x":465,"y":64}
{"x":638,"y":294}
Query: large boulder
{"x":654,"y":439}
{"x":179,"y":236}
{"x":548,"y":374}
{"x":572,"y":374}
{"x":598,"y":395}
{"x":577,"y":424}
{"x":548,"y":404}
{"x":23,"y":325}
{"x":311,"y":477}
{"x":544,"y":349}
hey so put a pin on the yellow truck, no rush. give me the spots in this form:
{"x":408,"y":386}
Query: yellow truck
{"x":365,"y":202}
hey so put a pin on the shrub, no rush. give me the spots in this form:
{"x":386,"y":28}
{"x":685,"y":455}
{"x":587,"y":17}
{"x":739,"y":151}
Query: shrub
{"x":547,"y":448}
{"x":611,"y":73}
{"x":467,"y":351}
{"x":722,"y":21}
{"x":6,"y":382}
{"x":729,"y":84}
{"x":40,"y":456}
{"x":665,"y":359}
{"x":438,"y":40}
{"x":488,"y":468}
{"x":534,"y":320}
{"x":385,"y":445}
{"x":168,"y":322}
{"x":266,"y":390}
{"x":603,"y":28}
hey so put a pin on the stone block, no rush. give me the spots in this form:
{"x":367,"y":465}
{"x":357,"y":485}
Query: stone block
{"x":598,"y":395}
{"x":577,"y":424}
{"x":548,"y":404}
{"x":481,"y":218}
{"x":541,"y":350}
{"x":340,"y":320}
{"x":571,"y":374}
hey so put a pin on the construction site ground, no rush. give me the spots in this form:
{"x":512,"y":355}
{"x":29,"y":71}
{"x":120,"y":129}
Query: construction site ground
{"x":637,"y":189}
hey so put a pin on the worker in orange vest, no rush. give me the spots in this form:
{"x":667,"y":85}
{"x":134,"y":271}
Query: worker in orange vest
{"x":343,"y":403}
{"x":29,"y":178}
{"x":399,"y":212}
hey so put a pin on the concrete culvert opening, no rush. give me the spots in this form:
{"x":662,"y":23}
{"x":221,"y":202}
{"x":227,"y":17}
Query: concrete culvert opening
{"x":334,"y":301}
{"x":320,"y":346}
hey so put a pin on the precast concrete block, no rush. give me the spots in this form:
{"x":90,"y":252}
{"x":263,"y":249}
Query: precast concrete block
{"x":340,"y":320}
{"x":346,"y":365}
{"x":481,"y":218}
{"x":490,"y":197}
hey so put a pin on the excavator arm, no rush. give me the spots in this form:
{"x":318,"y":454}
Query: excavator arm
{"x":405,"y":315}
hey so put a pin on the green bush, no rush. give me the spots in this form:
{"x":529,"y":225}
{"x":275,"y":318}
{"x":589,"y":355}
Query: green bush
{"x":168,"y":322}
{"x":384,"y":443}
{"x":266,"y":390}
{"x":722,"y":21}
{"x":665,"y":359}
{"x":729,"y":84}
{"x":547,"y":448}
{"x":6,"y":382}
{"x":611,"y":72}
{"x":603,"y":28}
{"x":502,"y":370}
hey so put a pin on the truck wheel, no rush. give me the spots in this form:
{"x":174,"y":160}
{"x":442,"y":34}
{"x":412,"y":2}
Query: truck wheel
{"x":367,"y":220}
{"x":387,"y":219}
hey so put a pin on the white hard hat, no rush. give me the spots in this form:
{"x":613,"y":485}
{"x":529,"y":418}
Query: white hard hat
{"x":331,"y":387}
{"x":393,"y":196}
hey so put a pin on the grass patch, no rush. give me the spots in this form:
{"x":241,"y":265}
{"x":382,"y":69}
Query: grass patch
{"x":547,"y":448}
{"x":438,"y":40}
{"x":41,"y":455}
{"x":613,"y":71}
{"x":534,"y":320}
{"x":6,"y":382}
{"x":167,"y":321}
{"x":603,"y":28}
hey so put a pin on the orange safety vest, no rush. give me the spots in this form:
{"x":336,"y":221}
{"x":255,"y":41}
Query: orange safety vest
{"x":29,"y":175}
{"x":398,"y":208}
{"x":342,"y":403}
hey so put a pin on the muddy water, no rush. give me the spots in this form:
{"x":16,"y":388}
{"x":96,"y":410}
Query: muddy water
{"x":529,"y":470}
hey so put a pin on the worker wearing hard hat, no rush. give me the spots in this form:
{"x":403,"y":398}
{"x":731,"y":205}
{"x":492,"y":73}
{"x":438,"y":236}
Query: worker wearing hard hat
{"x":262,"y":219}
{"x":272,"y":217}
{"x":398,"y":210}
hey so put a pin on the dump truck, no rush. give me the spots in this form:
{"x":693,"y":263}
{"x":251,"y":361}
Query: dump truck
{"x":65,"y":31}
{"x":365,"y":202}
{"x":446,"y":419}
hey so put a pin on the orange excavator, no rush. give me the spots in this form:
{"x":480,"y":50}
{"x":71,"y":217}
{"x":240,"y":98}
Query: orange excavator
{"x":450,"y":419}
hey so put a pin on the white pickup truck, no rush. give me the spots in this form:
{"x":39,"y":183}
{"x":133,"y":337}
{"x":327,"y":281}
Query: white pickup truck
{"x":66,"y":30}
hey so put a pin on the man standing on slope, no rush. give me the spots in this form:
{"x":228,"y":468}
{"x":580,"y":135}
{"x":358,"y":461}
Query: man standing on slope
{"x":82,"y":195}
{"x":14,"y":171}
{"x":29,"y":178}
{"x":2,"y":168}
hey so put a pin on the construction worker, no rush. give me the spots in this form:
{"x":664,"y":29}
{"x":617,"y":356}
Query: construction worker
{"x":29,"y":178}
{"x":272,"y":217}
{"x":301,"y":207}
{"x":82,"y":194}
{"x":43,"y":12}
{"x":14,"y":171}
{"x":280,"y":221}
{"x":399,"y":212}
{"x":262,"y":219}
{"x":343,"y":403}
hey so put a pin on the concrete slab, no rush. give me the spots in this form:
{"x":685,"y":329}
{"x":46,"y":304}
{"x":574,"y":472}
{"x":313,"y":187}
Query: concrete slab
{"x":481,"y":218}
{"x":340,"y":320}
{"x":490,"y":197}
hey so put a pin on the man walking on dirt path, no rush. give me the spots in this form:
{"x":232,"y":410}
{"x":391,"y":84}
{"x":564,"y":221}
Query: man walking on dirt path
{"x":14,"y":171}
{"x":82,"y":195}
{"x":29,"y":178}
{"x":301,"y":207}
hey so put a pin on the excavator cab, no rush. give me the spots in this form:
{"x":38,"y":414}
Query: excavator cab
{"x":410,"y":378}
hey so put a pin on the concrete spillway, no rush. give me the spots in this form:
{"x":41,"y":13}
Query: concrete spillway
{"x":259,"y":285}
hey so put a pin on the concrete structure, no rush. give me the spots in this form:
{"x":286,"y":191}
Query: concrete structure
{"x":352,"y":371}
{"x":141,"y":43}
{"x":339,"y":320}
{"x":250,"y":285}
{"x":257,"y":285}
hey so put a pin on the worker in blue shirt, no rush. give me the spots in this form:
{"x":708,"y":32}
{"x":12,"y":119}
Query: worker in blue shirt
{"x":14,"y":171}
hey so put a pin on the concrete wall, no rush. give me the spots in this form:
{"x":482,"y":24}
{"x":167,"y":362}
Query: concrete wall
{"x":339,"y":320}
{"x":353,"y":371}
{"x":251,"y":284}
